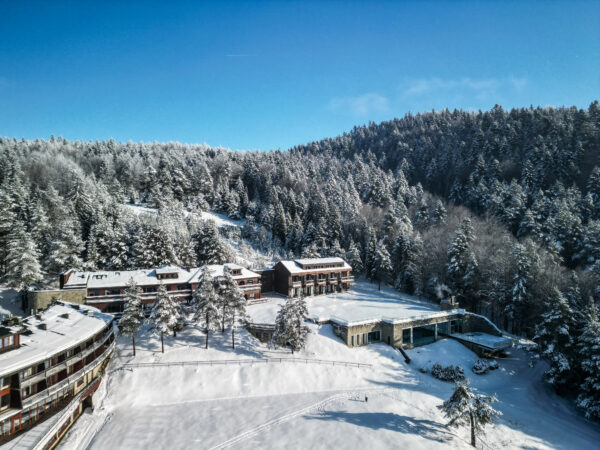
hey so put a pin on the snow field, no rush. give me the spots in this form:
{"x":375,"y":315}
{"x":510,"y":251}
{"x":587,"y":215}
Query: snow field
{"x":312,"y":406}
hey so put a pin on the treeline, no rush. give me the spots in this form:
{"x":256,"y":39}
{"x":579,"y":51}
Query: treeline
{"x":426,"y":203}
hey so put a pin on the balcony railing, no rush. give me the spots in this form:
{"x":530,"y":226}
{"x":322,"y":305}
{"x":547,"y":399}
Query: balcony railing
{"x":296,"y":283}
{"x":309,"y":282}
{"x":64,"y":364}
{"x":347,"y":279}
{"x":332,"y":280}
{"x":144,"y":295}
{"x":321,"y":281}
{"x":250,"y":286}
{"x":29,"y":401}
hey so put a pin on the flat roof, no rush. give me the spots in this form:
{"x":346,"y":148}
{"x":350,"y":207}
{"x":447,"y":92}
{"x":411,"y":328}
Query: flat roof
{"x":295,"y":267}
{"x":330,"y":260}
{"x":61,"y":333}
{"x":488,"y":341}
{"x":363,"y":303}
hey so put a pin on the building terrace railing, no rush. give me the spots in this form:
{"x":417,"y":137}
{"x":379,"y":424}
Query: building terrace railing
{"x":217,"y":362}
{"x":348,"y":279}
{"x":250,"y":286}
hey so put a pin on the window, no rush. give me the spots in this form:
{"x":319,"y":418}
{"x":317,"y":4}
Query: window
{"x":374,"y":336}
{"x":27,"y":372}
{"x":4,"y":402}
{"x":4,"y":383}
{"x":352,"y":341}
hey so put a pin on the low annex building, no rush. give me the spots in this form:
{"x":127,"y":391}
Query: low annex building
{"x":50,"y":362}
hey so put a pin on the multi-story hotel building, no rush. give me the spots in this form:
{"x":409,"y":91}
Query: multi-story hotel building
{"x":51,"y":363}
{"x":105,"y":290}
{"x":311,"y":276}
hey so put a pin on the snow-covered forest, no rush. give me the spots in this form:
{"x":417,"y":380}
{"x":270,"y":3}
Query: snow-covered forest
{"x":500,"y":209}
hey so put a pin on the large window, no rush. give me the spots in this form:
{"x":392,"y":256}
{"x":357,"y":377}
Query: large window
{"x":374,"y":336}
{"x":4,"y":402}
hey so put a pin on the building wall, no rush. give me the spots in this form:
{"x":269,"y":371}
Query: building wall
{"x":37,"y":300}
{"x":473,"y":323}
{"x":283,"y":279}
{"x":267,"y":279}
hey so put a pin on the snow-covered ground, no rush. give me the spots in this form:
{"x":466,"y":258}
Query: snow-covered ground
{"x":10,"y":302}
{"x":313,"y":406}
{"x":363,"y":302}
{"x":220,"y":220}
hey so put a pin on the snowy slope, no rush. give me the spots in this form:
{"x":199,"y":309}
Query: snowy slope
{"x":220,"y":220}
{"x":306,"y":405}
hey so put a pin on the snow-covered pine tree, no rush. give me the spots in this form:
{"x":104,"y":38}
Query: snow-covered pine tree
{"x":381,"y":266}
{"x":232,"y":302}
{"x":65,"y":248}
{"x":164,"y":315}
{"x":133,"y":316}
{"x":289,"y":324}
{"x":155,"y":247}
{"x":462,"y":264}
{"x":588,"y":346}
{"x":210,"y":248}
{"x":519,"y":297}
{"x":554,"y":339}
{"x":353,"y":258}
{"x":206,"y":304}
{"x":465,"y":407}
{"x":22,"y":259}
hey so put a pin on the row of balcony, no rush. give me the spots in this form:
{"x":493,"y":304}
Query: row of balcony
{"x":323,"y":281}
{"x":30,"y":401}
{"x":64,"y":365}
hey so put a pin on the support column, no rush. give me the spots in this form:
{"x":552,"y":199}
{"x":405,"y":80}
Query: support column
{"x":411,"y":336}
{"x":435,"y":335}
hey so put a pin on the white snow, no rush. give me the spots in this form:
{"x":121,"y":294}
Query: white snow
{"x":294,"y":266}
{"x":484,"y":339}
{"x":308,"y":406}
{"x":61,"y":333}
{"x":362,"y":303}
{"x":220,"y":220}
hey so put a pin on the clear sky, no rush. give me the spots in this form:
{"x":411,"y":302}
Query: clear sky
{"x":248,"y":75}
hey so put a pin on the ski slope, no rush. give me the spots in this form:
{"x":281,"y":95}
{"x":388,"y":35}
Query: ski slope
{"x":314,"y":406}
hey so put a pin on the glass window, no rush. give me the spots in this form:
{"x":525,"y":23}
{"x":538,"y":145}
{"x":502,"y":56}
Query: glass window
{"x":4,"y":402}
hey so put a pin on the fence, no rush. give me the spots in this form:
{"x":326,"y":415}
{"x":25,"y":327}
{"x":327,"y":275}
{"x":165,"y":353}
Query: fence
{"x":217,"y":362}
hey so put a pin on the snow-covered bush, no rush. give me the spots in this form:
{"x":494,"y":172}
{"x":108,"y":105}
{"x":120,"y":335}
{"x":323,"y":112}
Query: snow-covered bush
{"x":483,"y":366}
{"x":448,"y":373}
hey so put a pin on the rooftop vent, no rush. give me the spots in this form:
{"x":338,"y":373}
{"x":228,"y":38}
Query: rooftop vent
{"x":43,"y":326}
{"x":38,"y":316}
{"x":65,"y":315}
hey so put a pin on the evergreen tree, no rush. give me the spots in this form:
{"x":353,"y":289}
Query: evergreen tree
{"x":155,"y":247}
{"x":164,"y":315}
{"x":289,"y":324}
{"x":554,"y":339}
{"x":210,"y":248}
{"x":381,"y":266}
{"x":22,"y":259}
{"x":462,"y":264}
{"x":519,"y":298}
{"x":133,"y":316}
{"x":65,"y":248}
{"x":206,"y":304}
{"x":465,"y":407}
{"x":589,"y":350}
{"x":353,"y":258}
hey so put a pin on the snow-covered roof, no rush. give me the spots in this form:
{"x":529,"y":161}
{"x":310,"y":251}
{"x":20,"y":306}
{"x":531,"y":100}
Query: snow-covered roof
{"x":309,"y":261}
{"x":61,"y":333}
{"x":296,"y":267}
{"x":167,"y":269}
{"x":217,"y":270}
{"x":485,"y":340}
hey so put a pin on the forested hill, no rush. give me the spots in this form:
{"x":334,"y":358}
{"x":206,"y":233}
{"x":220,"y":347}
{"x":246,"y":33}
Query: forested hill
{"x":501,"y":210}
{"x":534,"y":169}
{"x":451,"y":152}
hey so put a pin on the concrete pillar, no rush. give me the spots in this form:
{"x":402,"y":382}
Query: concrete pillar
{"x":435,"y":335}
{"x":411,"y":336}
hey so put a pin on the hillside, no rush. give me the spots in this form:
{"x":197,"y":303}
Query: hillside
{"x":498,"y":209}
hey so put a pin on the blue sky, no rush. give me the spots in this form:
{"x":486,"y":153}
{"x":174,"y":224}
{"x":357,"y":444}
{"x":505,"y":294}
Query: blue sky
{"x":248,"y":75}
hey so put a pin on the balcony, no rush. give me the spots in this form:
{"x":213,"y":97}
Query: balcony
{"x":296,"y":284}
{"x":333,"y":281}
{"x":348,"y":279}
{"x":309,"y":283}
{"x":248,"y":287}
{"x":30,"y":401}
{"x":35,"y":378}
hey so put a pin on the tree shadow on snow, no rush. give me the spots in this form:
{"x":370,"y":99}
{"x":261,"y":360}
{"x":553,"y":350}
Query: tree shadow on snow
{"x":388,"y":421}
